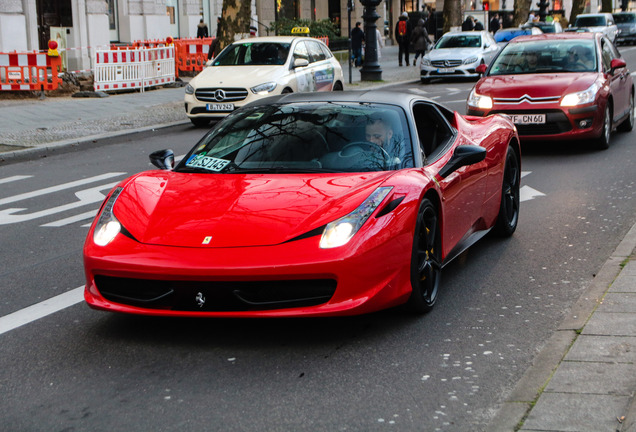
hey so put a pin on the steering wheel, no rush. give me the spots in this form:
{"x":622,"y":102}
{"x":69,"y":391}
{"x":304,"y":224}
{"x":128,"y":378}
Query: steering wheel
{"x":369,"y":145}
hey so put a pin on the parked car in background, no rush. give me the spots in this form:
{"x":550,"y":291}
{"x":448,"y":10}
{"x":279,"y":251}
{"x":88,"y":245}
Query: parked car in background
{"x":565,"y":86}
{"x":456,"y":55}
{"x":254,"y":68}
{"x":599,"y":23}
{"x":546,"y":27}
{"x":503,"y":36}
{"x":626,"y":23}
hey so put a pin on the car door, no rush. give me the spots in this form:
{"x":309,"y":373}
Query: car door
{"x":321,"y":68}
{"x":302,"y":74}
{"x":618,"y":79}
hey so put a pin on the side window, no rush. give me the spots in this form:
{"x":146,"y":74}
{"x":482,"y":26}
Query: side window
{"x":300,"y":51}
{"x":325,"y":51}
{"x":315,"y":53}
{"x":607,"y":56}
{"x":431,"y":130}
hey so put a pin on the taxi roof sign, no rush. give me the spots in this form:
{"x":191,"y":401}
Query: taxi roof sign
{"x":300,"y":30}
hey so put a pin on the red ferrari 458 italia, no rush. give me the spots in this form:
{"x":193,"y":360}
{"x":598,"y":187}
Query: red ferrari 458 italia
{"x":306,"y":205}
{"x":560,"y":86}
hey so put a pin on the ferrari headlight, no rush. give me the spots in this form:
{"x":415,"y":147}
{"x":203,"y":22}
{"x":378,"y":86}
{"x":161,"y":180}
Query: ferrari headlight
{"x":339,"y":232}
{"x":189,"y":89}
{"x":471,"y":60}
{"x":107,"y":226}
{"x":263,"y":89}
{"x":581,"y":98}
{"x":479,"y":101}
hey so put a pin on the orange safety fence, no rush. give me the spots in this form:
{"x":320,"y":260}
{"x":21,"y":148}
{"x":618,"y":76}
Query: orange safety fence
{"x":29,"y":71}
{"x":191,"y":54}
{"x":324,"y":39}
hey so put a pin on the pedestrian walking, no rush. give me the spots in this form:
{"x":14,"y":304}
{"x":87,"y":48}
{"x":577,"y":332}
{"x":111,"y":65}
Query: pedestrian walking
{"x":420,"y":40}
{"x":495,"y":24}
{"x":478,"y":25}
{"x":357,"y":39}
{"x":215,"y":46}
{"x":469,"y":24}
{"x":202,"y":29}
{"x":403,"y":33}
{"x":380,"y":43}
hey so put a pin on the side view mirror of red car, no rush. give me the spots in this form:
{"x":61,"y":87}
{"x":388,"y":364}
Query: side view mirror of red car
{"x":481,"y":69}
{"x":617,"y":63}
{"x":462,"y":156}
{"x":162,"y":159}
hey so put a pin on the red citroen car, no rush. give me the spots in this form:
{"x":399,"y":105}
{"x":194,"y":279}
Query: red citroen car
{"x":306,"y":205}
{"x":565,"y":86}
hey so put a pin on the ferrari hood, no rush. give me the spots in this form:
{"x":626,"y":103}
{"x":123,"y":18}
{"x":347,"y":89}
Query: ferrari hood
{"x":237,"y":76}
{"x":234,"y":210}
{"x":535,"y":85}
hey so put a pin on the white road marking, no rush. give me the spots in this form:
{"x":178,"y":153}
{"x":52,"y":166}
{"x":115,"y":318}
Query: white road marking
{"x":527,"y":193}
{"x":86,"y":196}
{"x":14,"y":178}
{"x":40,"y":310}
{"x":59,"y":187}
{"x":69,"y":220}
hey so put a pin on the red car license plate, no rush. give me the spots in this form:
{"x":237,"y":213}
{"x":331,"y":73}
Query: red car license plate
{"x":528,"y":118}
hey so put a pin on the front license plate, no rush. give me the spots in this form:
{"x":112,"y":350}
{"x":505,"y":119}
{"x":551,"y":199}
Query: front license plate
{"x":446,"y":70}
{"x":528,"y":118}
{"x":221,"y":107}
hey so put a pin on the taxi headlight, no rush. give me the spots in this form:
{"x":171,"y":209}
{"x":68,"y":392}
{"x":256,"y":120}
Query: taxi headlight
{"x":107,"y":226}
{"x":264,"y":88}
{"x":580,"y":98}
{"x":189,"y":89}
{"x":479,"y":101}
{"x":340,"y":231}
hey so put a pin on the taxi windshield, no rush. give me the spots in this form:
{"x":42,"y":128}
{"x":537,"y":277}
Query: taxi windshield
{"x":572,"y":55}
{"x":253,"y":54}
{"x":305,"y":137}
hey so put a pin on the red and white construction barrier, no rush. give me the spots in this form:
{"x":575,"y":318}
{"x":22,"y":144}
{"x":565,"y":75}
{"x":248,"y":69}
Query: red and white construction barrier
{"x":29,"y":71}
{"x":133,"y":68}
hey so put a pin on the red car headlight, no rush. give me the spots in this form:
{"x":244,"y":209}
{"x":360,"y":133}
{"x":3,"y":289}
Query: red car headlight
{"x":107,"y":226}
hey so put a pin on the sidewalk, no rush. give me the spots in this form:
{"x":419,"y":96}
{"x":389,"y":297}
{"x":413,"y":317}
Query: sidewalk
{"x":32,"y":127}
{"x":583,"y":379}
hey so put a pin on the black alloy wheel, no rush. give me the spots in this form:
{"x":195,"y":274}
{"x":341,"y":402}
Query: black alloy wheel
{"x":602,"y":142}
{"x":426,"y":263}
{"x":509,"y":208}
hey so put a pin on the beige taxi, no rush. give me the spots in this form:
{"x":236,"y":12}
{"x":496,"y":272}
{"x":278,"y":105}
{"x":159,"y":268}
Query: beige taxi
{"x":254,"y":68}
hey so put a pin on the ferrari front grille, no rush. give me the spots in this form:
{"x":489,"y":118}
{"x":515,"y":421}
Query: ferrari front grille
{"x":215,"y":296}
{"x":215,"y":94}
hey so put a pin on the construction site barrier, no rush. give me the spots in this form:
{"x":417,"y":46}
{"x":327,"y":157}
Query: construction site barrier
{"x":29,"y":71}
{"x":324,"y":39}
{"x":133,"y":68}
{"x":192,"y":53}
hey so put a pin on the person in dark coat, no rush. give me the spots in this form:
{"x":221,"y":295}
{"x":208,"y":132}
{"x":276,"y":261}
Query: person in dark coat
{"x":494,"y":24}
{"x":469,"y":24}
{"x":478,"y":25}
{"x":215,"y":46}
{"x":357,"y":38}
{"x":202,"y":29}
{"x":403,"y":33}
{"x":420,"y":40}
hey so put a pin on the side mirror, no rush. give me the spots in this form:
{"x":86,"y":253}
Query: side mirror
{"x":464,"y":155}
{"x":481,"y":69}
{"x":300,"y":63}
{"x":617,"y":63}
{"x":162,"y":159}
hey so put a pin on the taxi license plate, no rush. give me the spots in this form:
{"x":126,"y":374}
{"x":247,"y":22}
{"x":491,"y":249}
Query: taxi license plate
{"x":221,"y":107}
{"x":528,"y":118}
{"x":446,"y":70}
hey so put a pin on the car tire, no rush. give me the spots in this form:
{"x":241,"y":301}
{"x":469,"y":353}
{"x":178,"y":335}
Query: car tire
{"x":508,"y":216}
{"x":200,"y":122}
{"x":338,"y":86}
{"x":425,"y":80}
{"x":602,"y":142}
{"x":286,"y":90}
{"x":628,"y":124}
{"x":426,"y":263}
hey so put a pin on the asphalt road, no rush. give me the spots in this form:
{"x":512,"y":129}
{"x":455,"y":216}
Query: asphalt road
{"x":79,"y":369}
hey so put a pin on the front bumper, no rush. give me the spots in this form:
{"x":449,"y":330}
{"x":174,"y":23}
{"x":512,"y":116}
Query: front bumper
{"x":429,"y":72}
{"x":562,"y":123}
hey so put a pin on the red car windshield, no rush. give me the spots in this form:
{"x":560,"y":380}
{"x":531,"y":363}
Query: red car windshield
{"x":305,"y":137}
{"x":573,"y":55}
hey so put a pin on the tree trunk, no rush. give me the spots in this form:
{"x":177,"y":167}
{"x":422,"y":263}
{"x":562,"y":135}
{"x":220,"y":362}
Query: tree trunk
{"x":235,"y":20}
{"x":522,"y":11}
{"x":452,"y":14}
{"x":577,"y":8}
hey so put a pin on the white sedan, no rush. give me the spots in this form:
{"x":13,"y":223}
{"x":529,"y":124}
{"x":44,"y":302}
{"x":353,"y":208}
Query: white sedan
{"x":254,"y":68}
{"x":456,"y":55}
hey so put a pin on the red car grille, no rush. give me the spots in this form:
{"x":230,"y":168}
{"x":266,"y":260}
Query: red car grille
{"x":215,"y":296}
{"x":556,"y":122}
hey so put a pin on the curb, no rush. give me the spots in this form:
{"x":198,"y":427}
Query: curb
{"x":529,"y":388}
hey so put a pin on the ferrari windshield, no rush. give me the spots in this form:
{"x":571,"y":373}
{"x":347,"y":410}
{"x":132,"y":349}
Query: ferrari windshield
{"x":305,"y":137}
{"x":253,"y":54}
{"x":572,"y":55}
